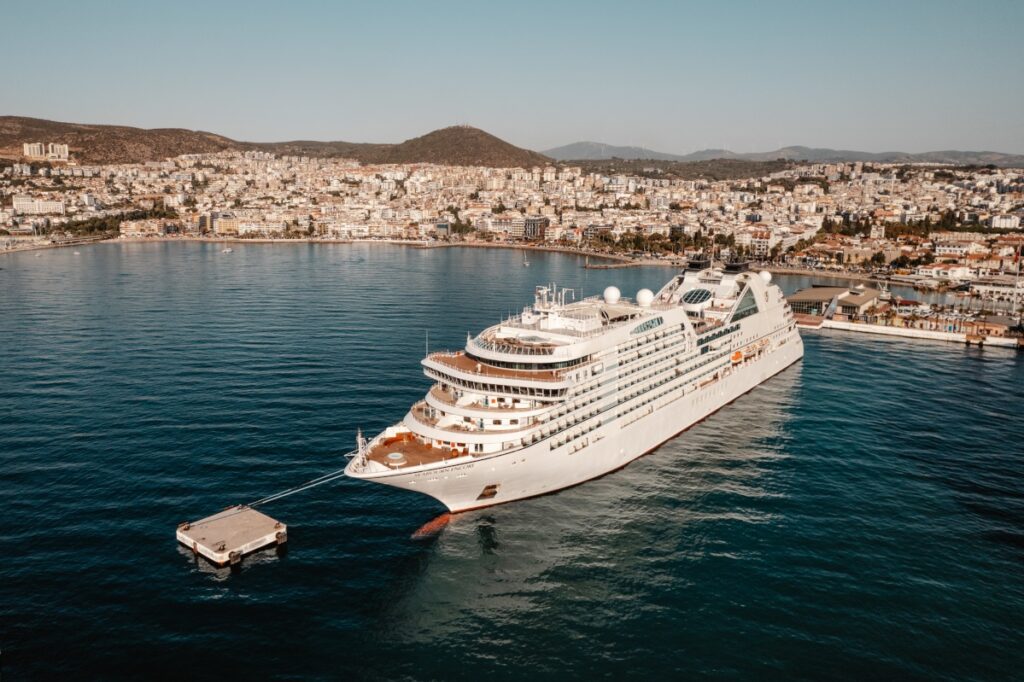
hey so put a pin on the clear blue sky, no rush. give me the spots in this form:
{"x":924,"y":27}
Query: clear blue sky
{"x":672,"y":76}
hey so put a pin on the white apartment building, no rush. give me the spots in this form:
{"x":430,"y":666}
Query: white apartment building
{"x":50,"y":152}
{"x":57,"y":152}
{"x":948,"y":250}
{"x":759,"y":240}
{"x":952,"y":273}
{"x":34,"y":150}
{"x":30,"y":206}
{"x":1004,"y":222}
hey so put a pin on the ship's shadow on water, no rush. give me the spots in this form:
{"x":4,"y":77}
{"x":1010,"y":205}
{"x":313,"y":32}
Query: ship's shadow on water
{"x":503,"y":566}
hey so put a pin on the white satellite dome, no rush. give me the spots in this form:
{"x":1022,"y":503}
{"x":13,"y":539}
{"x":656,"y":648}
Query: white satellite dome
{"x":644,"y":297}
{"x":612,"y":295}
{"x":766,"y":276}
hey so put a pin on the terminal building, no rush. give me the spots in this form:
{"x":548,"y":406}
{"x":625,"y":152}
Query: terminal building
{"x":829,"y":301}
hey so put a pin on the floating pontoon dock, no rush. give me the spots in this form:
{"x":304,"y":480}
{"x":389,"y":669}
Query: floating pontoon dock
{"x":226,"y":537}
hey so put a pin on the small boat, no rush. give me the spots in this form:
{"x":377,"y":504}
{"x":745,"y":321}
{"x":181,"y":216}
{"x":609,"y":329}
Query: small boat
{"x":227,"y":250}
{"x":77,"y":254}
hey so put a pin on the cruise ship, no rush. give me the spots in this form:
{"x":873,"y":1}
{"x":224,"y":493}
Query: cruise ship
{"x":567,"y":391}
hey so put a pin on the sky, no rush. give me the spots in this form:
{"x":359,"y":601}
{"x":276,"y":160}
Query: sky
{"x":670,"y":76}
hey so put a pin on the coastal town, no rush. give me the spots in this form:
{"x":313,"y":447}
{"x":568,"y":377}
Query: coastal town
{"x":926,"y":226}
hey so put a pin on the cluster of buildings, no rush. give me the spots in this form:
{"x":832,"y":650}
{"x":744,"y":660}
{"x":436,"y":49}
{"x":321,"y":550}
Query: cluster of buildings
{"x":790,"y":215}
{"x":53,"y":151}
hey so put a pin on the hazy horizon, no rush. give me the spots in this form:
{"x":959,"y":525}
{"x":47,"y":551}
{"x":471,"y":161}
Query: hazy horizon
{"x":673,"y":78}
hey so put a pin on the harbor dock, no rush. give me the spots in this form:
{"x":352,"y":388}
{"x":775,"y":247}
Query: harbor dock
{"x":229,"y":535}
{"x":872,"y":311}
{"x":913,"y":333}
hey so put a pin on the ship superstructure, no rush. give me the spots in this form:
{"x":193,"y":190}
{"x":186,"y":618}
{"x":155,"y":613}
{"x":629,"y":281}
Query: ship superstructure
{"x":567,"y":391}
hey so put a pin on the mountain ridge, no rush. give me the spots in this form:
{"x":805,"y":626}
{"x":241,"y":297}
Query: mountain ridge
{"x":454,"y":145}
{"x":595,"y":151}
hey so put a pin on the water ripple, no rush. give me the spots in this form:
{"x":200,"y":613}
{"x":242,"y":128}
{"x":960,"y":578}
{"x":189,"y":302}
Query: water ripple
{"x":860,"y":516}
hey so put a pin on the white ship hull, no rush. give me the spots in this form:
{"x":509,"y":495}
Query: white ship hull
{"x":538,"y":469}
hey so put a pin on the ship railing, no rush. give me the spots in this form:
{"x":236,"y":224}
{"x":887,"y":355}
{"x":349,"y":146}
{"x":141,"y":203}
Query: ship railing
{"x":506,"y":348}
{"x":565,"y":331}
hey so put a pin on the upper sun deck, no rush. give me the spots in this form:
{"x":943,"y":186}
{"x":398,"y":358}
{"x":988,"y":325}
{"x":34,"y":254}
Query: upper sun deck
{"x":553,"y":327}
{"x":554,"y":330}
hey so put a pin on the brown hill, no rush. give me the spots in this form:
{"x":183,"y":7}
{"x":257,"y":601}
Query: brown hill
{"x":107,"y":144}
{"x":455,"y":146}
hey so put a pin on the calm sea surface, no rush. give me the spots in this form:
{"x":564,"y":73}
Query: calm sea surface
{"x":859,"y":516}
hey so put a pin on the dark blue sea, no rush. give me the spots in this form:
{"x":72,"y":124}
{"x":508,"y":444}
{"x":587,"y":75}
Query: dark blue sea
{"x":860,"y":516}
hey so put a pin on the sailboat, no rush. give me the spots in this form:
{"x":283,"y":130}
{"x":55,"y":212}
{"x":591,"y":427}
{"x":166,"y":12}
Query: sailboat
{"x":526,"y":263}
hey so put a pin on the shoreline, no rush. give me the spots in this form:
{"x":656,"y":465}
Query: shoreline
{"x":413,"y":243}
{"x":827,"y":274}
{"x":616,"y":260}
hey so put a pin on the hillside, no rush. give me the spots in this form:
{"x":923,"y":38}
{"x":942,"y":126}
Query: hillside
{"x":455,"y":146}
{"x":107,"y":144}
{"x":595,"y":151}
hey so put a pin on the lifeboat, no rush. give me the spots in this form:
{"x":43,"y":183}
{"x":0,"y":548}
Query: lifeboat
{"x":737,"y":357}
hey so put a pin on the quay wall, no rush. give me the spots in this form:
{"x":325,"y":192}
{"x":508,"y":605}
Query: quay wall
{"x":909,"y":332}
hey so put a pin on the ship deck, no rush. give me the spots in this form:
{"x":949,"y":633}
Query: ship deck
{"x":463,"y":363}
{"x":449,"y":398}
{"x":414,"y":452}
